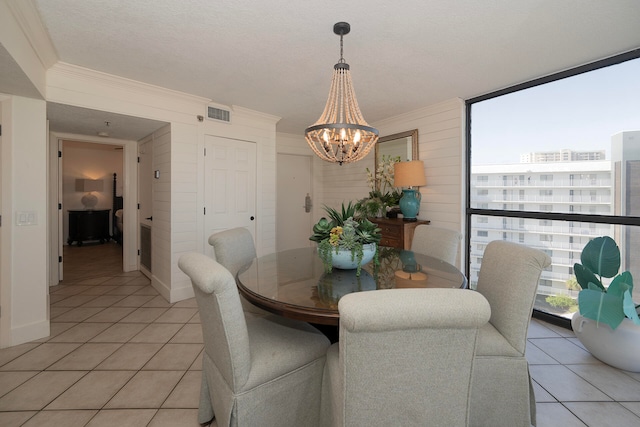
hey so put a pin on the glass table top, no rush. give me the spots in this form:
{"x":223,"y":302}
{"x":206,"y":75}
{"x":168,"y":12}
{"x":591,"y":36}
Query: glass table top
{"x":294,"y":283}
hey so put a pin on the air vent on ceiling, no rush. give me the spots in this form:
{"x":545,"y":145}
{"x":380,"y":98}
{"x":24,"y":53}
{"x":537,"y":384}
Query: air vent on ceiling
{"x":218,"y":114}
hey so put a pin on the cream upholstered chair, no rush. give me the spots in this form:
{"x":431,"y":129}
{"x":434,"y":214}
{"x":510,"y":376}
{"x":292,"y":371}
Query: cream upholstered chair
{"x":501,"y":390}
{"x":437,"y":242}
{"x":404,"y":358}
{"x":258,"y":370}
{"x":234,"y":249}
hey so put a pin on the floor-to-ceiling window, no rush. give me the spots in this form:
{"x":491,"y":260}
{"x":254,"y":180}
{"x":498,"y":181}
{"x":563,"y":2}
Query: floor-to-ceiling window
{"x":554,"y":163}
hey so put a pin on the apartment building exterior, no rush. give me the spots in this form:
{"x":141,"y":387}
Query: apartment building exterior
{"x":564,"y":155}
{"x":625,"y":173}
{"x":565,"y":187}
{"x":565,"y":181}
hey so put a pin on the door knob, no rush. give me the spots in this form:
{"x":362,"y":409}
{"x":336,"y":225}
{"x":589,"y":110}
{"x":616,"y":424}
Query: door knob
{"x":252,"y":218}
{"x":150,"y":218}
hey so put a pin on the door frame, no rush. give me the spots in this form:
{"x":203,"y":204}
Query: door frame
{"x":129,"y":193}
{"x":140,"y":219}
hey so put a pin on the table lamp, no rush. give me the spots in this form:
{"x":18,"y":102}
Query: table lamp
{"x":87,"y":186}
{"x":409,"y":174}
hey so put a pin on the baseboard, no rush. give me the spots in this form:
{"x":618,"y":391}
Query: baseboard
{"x":182,"y":293}
{"x":31,"y":332}
{"x":161,"y":287}
{"x":174,"y":294}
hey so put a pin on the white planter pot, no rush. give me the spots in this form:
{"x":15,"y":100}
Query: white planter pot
{"x":342,"y":259}
{"x":619,"y":348}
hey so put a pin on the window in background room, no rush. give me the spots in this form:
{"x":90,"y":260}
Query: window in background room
{"x":566,"y":171}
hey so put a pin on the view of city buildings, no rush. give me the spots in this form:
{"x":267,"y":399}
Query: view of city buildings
{"x":563,"y":181}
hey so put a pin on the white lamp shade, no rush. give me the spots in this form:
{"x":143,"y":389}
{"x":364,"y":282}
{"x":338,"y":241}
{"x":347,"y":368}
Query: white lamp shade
{"x":409,"y":174}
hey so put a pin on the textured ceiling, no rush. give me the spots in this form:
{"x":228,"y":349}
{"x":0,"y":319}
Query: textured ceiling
{"x":277,"y":56}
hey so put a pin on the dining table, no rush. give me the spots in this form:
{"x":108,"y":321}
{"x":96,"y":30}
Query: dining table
{"x":295,"y":283}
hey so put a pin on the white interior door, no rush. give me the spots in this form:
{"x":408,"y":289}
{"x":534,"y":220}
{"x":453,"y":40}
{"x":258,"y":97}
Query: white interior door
{"x":145,"y":199}
{"x":229,"y":186}
{"x":293,"y":209}
{"x":59,"y":266}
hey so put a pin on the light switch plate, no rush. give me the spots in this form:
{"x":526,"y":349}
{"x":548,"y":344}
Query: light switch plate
{"x":26,"y":218}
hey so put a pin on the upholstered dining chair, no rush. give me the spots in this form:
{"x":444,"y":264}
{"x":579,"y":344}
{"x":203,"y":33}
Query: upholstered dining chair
{"x":404,"y":358}
{"x":233,"y":249}
{"x":256,"y":370}
{"x":501,"y":388}
{"x":441,"y":243}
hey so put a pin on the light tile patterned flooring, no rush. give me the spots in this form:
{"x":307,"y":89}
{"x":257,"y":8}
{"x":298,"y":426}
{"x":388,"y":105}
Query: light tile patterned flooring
{"x":120,"y":355}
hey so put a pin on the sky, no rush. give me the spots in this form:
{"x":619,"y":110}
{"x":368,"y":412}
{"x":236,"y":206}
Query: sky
{"x":579,"y":113}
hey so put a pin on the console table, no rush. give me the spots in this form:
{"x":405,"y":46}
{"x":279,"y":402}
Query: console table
{"x":396,"y":232}
{"x":88,"y":225}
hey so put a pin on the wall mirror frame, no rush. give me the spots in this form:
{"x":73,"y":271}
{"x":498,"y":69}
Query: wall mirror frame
{"x":403,"y":144}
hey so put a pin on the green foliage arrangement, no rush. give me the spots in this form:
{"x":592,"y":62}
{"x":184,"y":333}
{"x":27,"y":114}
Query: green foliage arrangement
{"x":601,"y":259}
{"x":344,"y":230}
{"x":383,"y":193}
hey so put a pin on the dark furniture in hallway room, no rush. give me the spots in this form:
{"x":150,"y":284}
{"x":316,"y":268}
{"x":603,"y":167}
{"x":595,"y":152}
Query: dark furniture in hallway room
{"x":86,"y":225}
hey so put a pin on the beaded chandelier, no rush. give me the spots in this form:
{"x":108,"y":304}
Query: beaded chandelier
{"x":341,"y":135}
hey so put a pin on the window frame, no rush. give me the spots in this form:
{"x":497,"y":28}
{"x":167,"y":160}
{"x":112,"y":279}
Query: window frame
{"x":539,"y":215}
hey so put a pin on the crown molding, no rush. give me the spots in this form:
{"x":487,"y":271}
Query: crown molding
{"x":76,"y":73}
{"x":28,"y":18}
{"x":256,"y":115}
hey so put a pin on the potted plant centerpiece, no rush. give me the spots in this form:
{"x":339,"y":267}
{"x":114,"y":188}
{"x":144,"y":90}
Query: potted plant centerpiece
{"x":346,"y":241}
{"x":607,"y":322}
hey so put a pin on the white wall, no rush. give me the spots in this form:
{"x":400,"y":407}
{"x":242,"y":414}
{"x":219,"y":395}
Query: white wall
{"x":162,"y":218}
{"x":441,"y":133}
{"x":23,"y":253}
{"x":344,"y":183}
{"x":23,"y":256}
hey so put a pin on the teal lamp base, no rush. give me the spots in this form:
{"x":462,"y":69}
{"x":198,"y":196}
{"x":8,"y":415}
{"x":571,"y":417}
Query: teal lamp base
{"x":410,"y":204}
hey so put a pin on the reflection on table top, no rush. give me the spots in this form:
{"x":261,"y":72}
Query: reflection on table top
{"x":294,"y":284}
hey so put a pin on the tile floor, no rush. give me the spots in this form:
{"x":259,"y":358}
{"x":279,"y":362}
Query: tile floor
{"x":119,"y":354}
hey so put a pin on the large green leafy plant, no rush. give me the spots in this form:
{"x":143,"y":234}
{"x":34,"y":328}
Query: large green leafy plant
{"x":344,"y":230}
{"x":601,"y":259}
